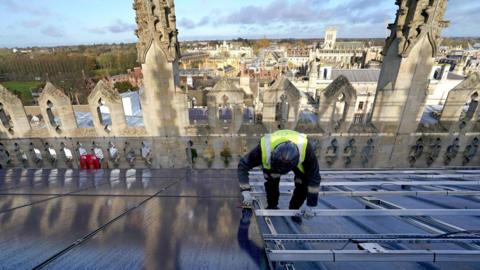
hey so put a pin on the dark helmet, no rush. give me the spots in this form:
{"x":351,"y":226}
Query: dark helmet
{"x":285,"y":157}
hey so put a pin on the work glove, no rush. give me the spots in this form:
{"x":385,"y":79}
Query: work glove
{"x":308,"y":212}
{"x":247,"y":199}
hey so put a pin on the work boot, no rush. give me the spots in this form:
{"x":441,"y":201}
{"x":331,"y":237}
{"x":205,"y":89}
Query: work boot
{"x":297,"y":219}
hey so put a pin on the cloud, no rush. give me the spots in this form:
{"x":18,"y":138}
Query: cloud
{"x":98,"y":31}
{"x":190,"y":24}
{"x":116,"y":27}
{"x":204,"y":21}
{"x":31,"y":23}
{"x":186,"y":23}
{"x":53,"y":31}
{"x":298,"y":18}
{"x":120,"y":26}
{"x":463,"y":17}
{"x":26,"y":7}
{"x":308,"y":11}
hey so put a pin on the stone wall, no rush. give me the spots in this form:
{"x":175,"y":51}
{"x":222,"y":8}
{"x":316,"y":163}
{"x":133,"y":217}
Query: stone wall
{"x":337,"y":151}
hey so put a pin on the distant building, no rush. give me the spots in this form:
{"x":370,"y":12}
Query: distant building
{"x":298,"y":56}
{"x":342,"y":54}
{"x":134,"y":77}
{"x":330,"y":38}
{"x":229,"y":50}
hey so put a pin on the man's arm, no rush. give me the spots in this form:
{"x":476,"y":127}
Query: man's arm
{"x":312,"y":175}
{"x":248,"y":162}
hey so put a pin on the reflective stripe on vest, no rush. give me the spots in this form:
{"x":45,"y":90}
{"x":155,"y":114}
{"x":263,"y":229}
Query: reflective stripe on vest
{"x":270,"y":141}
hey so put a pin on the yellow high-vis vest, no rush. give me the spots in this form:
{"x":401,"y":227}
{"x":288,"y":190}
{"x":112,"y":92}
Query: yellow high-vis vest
{"x":270,"y":141}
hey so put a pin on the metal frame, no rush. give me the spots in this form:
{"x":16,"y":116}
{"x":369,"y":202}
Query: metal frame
{"x":372,"y":212}
{"x":372,"y":238}
{"x":278,"y":244}
{"x":406,"y":174}
{"x":382,"y":183}
{"x":367,"y":256}
{"x":381,"y":247}
{"x":389,"y":193}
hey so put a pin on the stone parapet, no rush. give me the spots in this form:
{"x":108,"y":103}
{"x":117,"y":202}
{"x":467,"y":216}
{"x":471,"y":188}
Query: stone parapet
{"x":335,"y":151}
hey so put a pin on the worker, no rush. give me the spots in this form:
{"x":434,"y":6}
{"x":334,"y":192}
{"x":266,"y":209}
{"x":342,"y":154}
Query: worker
{"x":278,"y":154}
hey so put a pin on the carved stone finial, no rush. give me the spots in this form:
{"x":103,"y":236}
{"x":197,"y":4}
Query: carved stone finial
{"x":416,"y":19}
{"x":156,"y":22}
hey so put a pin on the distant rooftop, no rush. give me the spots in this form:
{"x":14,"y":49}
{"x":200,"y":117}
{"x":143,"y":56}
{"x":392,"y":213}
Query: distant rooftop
{"x":352,"y":45}
{"x":357,"y":75}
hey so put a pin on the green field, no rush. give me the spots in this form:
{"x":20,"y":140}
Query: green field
{"x":23,"y":89}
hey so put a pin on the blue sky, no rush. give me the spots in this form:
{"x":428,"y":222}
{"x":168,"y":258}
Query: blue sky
{"x":66,"y":22}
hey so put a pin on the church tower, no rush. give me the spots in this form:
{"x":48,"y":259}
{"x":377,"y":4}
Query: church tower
{"x":409,"y":58}
{"x":330,"y":38}
{"x":164,"y":104}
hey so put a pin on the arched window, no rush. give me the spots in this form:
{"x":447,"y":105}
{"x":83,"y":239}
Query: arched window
{"x":282,"y":109}
{"x":249,"y":115}
{"x":340,"y":108}
{"x":103,"y":113}
{"x":436,"y":74}
{"x":471,"y":107}
{"x":4,"y":117}
{"x":54,"y":120}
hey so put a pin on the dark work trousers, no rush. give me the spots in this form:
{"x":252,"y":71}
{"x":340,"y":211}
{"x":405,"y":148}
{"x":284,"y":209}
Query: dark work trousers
{"x":272,"y":188}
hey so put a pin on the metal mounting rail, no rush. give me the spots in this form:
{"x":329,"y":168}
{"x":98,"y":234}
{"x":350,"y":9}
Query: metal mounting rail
{"x":386,"y":174}
{"x":382,"y":183}
{"x":278,"y":244}
{"x":366,"y":256}
{"x":426,"y":223}
{"x":373,"y":238}
{"x":400,"y":172}
{"x":406,"y":177}
{"x":446,"y":242}
{"x":372,"y":212}
{"x":389,"y":193}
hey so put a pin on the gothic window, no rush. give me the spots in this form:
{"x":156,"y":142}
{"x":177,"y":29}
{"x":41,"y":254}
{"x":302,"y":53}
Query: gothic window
{"x":52,"y":118}
{"x":339,"y":110}
{"x":4,"y":117}
{"x":282,"y":110}
{"x":249,"y":115}
{"x":361,"y":105}
{"x":325,"y":73}
{"x":104,"y":114}
{"x":471,"y":107}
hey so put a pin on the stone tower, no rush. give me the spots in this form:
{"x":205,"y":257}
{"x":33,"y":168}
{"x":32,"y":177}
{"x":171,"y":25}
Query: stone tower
{"x":330,"y":38}
{"x":409,"y":58}
{"x":164,"y":104}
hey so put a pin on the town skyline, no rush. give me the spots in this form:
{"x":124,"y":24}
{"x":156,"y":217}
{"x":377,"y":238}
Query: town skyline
{"x":111,"y":22}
